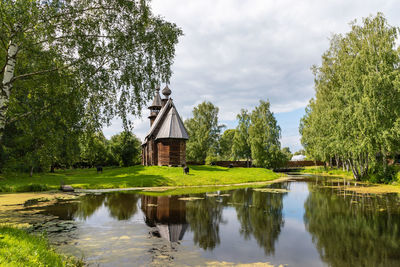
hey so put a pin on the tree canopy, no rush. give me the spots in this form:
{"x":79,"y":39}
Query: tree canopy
{"x":71,"y":66}
{"x":264,"y":135}
{"x":241,"y":143}
{"x":355,"y":114}
{"x":204,"y":131}
{"x":226,"y":143}
{"x":256,"y":137}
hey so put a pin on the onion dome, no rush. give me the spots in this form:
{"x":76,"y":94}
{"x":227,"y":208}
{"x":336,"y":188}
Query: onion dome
{"x":166,"y":91}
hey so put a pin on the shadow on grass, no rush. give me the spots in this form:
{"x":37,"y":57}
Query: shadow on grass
{"x":141,"y":180}
{"x":86,"y":178}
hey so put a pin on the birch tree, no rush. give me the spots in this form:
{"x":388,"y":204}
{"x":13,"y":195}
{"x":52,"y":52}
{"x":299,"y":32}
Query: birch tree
{"x":116,"y":50}
{"x":356,"y":111}
{"x":241,"y":143}
{"x":264,"y":134}
{"x":204,"y":131}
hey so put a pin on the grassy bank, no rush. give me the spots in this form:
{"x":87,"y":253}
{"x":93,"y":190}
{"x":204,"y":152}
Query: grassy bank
{"x":18,"y":248}
{"x":135,"y":176}
{"x":326,"y":172}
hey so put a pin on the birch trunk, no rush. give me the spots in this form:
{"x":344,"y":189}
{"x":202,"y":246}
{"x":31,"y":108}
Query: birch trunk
{"x":6,"y":84}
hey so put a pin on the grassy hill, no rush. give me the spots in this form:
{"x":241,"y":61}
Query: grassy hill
{"x":135,"y":176}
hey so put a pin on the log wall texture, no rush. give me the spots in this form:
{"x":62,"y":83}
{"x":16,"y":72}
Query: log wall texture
{"x":171,"y":152}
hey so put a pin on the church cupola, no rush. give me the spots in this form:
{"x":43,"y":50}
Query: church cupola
{"x":155,"y":106}
{"x":166,"y":92}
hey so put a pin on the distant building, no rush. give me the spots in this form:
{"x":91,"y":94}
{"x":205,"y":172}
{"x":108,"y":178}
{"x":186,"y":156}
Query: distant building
{"x":165,"y":143}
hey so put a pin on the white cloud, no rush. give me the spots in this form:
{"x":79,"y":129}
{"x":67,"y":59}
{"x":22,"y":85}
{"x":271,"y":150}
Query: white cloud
{"x":236,"y":52}
{"x":293,"y":142}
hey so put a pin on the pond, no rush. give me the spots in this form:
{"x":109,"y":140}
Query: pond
{"x":313,"y":221}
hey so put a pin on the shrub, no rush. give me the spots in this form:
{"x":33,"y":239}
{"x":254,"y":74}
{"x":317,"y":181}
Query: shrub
{"x":380,"y":175}
{"x":32,"y":188}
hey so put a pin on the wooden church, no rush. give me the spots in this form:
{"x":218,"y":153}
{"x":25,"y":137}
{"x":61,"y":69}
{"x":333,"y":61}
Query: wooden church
{"x":165,"y":143}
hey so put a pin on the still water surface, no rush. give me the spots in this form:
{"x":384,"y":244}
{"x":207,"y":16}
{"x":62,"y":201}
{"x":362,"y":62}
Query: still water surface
{"x":310,"y":222}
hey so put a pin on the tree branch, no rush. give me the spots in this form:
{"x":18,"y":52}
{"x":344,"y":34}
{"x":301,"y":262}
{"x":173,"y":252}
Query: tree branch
{"x":71,"y":36}
{"x":21,"y":116}
{"x":43,"y":71}
{"x":77,"y":11}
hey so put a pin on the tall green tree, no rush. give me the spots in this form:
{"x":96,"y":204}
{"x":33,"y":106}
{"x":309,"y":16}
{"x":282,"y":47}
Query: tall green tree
{"x":115,"y":50}
{"x":287,"y":155}
{"x":47,"y":133}
{"x":241,"y":148}
{"x":226,"y":143}
{"x":356,"y":112}
{"x":125,"y":148}
{"x":264,"y":134}
{"x":94,"y":149}
{"x":204,"y":131}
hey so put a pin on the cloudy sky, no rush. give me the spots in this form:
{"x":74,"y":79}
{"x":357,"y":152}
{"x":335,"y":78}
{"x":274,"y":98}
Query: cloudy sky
{"x":235,"y":52}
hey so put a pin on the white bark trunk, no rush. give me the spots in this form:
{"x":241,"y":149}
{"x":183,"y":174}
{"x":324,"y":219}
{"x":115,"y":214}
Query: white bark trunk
{"x":6,"y":84}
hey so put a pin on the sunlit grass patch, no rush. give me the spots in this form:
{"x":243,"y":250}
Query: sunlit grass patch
{"x":135,"y":176}
{"x":18,"y":248}
{"x":329,"y":171}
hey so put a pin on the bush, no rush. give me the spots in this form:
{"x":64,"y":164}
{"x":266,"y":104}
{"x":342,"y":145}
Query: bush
{"x":24,"y":188}
{"x":380,"y":175}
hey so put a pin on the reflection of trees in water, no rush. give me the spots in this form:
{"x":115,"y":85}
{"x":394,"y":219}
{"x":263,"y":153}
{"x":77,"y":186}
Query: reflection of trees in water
{"x":83,"y":209}
{"x":122,"y":206}
{"x":64,"y":210}
{"x":204,"y":217}
{"x":88,"y":205}
{"x":354,"y":230}
{"x":260,"y":216}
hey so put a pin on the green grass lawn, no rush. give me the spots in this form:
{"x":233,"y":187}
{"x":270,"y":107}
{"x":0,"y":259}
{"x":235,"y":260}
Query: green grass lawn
{"x":18,"y":248}
{"x":330,"y":171}
{"x":135,"y":176}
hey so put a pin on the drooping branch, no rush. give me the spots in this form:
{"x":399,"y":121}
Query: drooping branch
{"x":81,"y":11}
{"x":40,"y":72}
{"x":74,"y":36}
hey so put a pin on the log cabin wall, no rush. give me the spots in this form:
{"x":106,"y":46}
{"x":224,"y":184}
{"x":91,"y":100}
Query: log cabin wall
{"x":183,"y":152}
{"x":143,"y":155}
{"x":163,"y":152}
{"x":150,"y":153}
{"x":171,"y":152}
{"x":175,"y":153}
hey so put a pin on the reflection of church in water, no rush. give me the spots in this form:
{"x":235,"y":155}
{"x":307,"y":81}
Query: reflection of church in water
{"x":167,"y":214}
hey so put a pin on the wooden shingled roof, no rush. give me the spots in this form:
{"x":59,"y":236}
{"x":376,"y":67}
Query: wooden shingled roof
{"x":172,"y":126}
{"x":157,"y":100}
{"x":172,"y":232}
{"x":168,"y":124}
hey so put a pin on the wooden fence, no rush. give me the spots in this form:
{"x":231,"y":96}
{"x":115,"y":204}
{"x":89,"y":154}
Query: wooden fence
{"x":225,"y":163}
{"x":290,"y":164}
